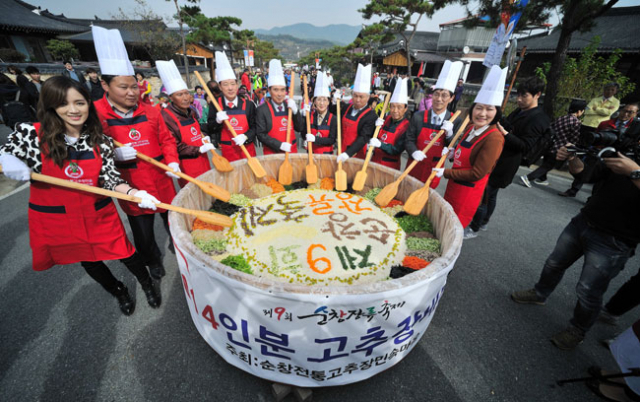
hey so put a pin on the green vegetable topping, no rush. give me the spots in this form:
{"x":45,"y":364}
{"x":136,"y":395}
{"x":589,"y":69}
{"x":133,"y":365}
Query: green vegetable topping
{"x":416,"y":243}
{"x":238,"y":262}
{"x":239,"y":200}
{"x":372,"y":194}
{"x":211,"y":245}
{"x":410,"y":223}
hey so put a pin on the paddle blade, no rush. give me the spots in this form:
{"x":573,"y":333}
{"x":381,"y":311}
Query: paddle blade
{"x":341,"y":180}
{"x":417,"y":200}
{"x":256,"y":168}
{"x":221,"y":163}
{"x":214,"y":219}
{"x":360,"y":179}
{"x":311,"y":172}
{"x":387,"y":194}
{"x":215,"y":191}
{"x":285,"y":173}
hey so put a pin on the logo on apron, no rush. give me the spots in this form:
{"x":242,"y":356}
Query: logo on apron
{"x":433,"y":135}
{"x":194,"y":132}
{"x":384,"y":137}
{"x":283,"y":121}
{"x":233,"y":121}
{"x":458,"y":152}
{"x":134,"y":134}
{"x":74,"y":171}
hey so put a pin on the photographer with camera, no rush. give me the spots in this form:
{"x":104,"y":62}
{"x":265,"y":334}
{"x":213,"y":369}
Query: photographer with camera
{"x":605,"y":232}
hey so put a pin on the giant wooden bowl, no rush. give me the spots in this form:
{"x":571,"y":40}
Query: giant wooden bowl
{"x":302,"y":335}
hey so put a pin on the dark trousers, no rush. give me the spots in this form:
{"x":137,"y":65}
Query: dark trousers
{"x":626,"y":298}
{"x":144,"y":237}
{"x":101,"y":273}
{"x":604,"y":257}
{"x":486,"y":208}
{"x":549,"y":162}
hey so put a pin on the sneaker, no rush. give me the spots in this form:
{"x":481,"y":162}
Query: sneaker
{"x":469,"y":233}
{"x":484,"y":227}
{"x":568,"y":339}
{"x":525,"y":181}
{"x":528,"y":296}
{"x":608,"y":318}
{"x":541,"y":182}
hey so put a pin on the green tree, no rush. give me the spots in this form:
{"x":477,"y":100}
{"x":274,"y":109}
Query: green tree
{"x":584,"y":77}
{"x":342,"y":60}
{"x":263,"y":50}
{"x":397,"y":16}
{"x":62,"y":49}
{"x":182,"y":12}
{"x":371,"y":37}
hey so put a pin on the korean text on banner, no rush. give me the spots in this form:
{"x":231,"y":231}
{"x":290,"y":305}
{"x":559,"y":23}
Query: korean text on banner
{"x":503,"y":33}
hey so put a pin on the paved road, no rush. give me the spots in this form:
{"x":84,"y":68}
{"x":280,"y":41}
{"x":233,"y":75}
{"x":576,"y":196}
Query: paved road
{"x":63,"y":338}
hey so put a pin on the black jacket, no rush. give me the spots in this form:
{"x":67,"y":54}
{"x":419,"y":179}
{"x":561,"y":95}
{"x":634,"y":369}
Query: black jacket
{"x":333,"y":129}
{"x":263,"y":126}
{"x":415,"y":126}
{"x":215,"y":130}
{"x":366,"y":127}
{"x":81,"y":78}
{"x":95,"y":89}
{"x":524,"y":130}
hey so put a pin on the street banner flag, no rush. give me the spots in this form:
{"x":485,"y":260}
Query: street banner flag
{"x":251,"y":58}
{"x":421,"y":70}
{"x":246,"y":57}
{"x":503,"y":33}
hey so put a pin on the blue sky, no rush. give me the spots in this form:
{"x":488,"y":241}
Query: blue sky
{"x":258,"y":13}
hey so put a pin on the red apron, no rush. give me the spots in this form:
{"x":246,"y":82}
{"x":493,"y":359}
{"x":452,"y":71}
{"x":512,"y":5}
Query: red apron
{"x":239,"y":122}
{"x":465,"y":197}
{"x":321,"y":131}
{"x":279,"y":130}
{"x":390,"y":136}
{"x":142,"y":134}
{"x":68,"y":226}
{"x":423,"y":170}
{"x":144,"y":98}
{"x":350,"y":130}
{"x":191,"y":135}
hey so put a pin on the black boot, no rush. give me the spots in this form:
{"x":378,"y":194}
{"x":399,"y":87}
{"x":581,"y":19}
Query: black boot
{"x":153,"y":296}
{"x":156,"y":270}
{"x":172,"y":249}
{"x":126,"y":303}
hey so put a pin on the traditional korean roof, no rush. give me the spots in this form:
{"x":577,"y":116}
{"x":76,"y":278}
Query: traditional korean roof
{"x":128,"y":36}
{"x":16,"y":15}
{"x":618,"y":28}
{"x":422,"y":41}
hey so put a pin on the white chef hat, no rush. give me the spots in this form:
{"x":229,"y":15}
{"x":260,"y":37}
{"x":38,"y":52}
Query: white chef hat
{"x":170,"y":76}
{"x":276,"y":75}
{"x":112,"y":55}
{"x":400,"y":92}
{"x":362,"y":82}
{"x":223,"y":68}
{"x":492,"y":91}
{"x":448,"y":78}
{"x":322,"y":85}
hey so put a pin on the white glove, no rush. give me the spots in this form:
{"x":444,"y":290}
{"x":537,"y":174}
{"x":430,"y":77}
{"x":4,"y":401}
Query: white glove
{"x":176,"y":168}
{"x":146,"y":200}
{"x":221,"y":116}
{"x":439,"y":171}
{"x":379,"y":122}
{"x":125,"y":153}
{"x":418,"y":155}
{"x":336,"y":96}
{"x":374,"y":142}
{"x":291,"y":104}
{"x":452,"y":153}
{"x":310,"y":138}
{"x":14,"y":168}
{"x":206,"y":148}
{"x":285,"y":147}
{"x":306,"y":109}
{"x":240,"y":139}
{"x":343,"y":157}
{"x":447,"y":126}
{"x":445,"y":151}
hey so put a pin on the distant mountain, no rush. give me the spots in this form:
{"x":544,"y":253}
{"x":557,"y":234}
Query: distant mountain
{"x":292,"y":48}
{"x":341,"y":34}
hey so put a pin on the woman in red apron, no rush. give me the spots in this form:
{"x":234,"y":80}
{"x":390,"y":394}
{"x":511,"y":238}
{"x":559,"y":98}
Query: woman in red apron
{"x":391,"y":138}
{"x":475,"y":156}
{"x":68,"y":226}
{"x":324,"y":126}
{"x":145,"y":89}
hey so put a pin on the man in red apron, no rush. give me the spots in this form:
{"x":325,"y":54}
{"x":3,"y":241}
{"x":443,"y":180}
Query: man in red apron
{"x":141,"y":129}
{"x":183,"y":124}
{"x":324,"y":125}
{"x":271,"y":119}
{"x":391,"y":138}
{"x":240,"y":113}
{"x":425,"y":125}
{"x":358,"y":120}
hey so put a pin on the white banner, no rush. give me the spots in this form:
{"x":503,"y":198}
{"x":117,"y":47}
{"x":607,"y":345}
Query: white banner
{"x":307,"y":340}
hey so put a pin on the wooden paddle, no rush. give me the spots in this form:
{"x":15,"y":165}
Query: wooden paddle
{"x":253,"y":163}
{"x":206,"y":216}
{"x":285,"y":173}
{"x":311,"y":171}
{"x":391,"y":190}
{"x":208,"y":188}
{"x":221,"y":163}
{"x":341,"y":175}
{"x":418,"y":199}
{"x":361,"y":176}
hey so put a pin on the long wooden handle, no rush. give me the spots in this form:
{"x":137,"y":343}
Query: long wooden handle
{"x":209,"y":216}
{"x":443,"y":158}
{"x":306,"y":102}
{"x":339,"y":130}
{"x":290,"y":114}
{"x":513,"y":79}
{"x":429,"y":145}
{"x":377,"y":131}
{"x":212,"y":100}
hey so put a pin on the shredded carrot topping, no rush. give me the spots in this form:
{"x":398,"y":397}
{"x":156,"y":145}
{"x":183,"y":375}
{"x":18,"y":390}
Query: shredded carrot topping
{"x":414,"y":262}
{"x":199,"y":224}
{"x":275,"y":186}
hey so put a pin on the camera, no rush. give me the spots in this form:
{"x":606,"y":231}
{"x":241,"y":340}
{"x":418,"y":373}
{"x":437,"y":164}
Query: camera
{"x":605,"y":138}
